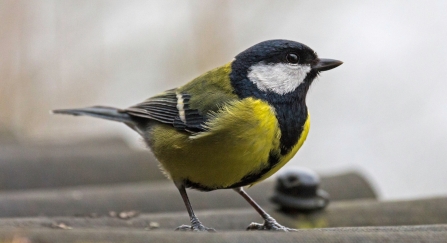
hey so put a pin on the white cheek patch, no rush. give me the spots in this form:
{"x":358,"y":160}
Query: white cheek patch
{"x":280,"y":78}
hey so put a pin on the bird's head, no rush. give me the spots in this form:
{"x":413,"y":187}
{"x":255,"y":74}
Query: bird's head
{"x":277,"y":68}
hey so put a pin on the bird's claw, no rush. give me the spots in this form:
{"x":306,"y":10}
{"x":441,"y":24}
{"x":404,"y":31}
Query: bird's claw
{"x":271,"y":225}
{"x":195,"y":228}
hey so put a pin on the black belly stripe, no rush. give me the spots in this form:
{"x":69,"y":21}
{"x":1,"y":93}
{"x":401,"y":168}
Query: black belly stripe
{"x":291,"y":119}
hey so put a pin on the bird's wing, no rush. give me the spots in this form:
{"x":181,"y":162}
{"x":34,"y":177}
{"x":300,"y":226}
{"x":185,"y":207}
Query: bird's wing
{"x":173,"y":108}
{"x":189,"y":107}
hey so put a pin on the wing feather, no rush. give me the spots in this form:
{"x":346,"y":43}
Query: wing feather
{"x":170,"y":108}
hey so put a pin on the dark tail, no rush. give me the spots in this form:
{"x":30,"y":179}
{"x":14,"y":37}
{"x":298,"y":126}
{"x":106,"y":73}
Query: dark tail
{"x":108,"y":113}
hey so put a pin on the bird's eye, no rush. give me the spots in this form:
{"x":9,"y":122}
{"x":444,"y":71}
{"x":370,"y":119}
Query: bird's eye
{"x":292,"y":58}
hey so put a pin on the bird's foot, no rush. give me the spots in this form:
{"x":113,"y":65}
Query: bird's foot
{"x":269,"y":224}
{"x":195,"y":228}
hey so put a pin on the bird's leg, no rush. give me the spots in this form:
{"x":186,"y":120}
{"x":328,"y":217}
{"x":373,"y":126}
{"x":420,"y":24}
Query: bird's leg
{"x":196,"y":225}
{"x":269,"y":222}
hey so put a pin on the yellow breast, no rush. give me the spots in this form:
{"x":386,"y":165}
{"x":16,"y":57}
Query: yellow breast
{"x":238,"y":142}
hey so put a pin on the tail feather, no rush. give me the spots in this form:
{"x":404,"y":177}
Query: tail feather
{"x":108,"y":113}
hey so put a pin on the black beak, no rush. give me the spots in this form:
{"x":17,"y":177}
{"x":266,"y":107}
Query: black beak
{"x":324,"y":64}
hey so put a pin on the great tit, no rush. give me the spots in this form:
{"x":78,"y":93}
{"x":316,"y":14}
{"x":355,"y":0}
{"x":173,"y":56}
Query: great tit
{"x":231,"y":127}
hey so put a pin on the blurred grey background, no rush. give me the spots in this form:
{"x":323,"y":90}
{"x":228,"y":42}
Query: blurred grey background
{"x":383,"y":112}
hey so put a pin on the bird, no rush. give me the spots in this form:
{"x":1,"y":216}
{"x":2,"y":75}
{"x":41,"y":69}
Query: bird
{"x":231,"y":127}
